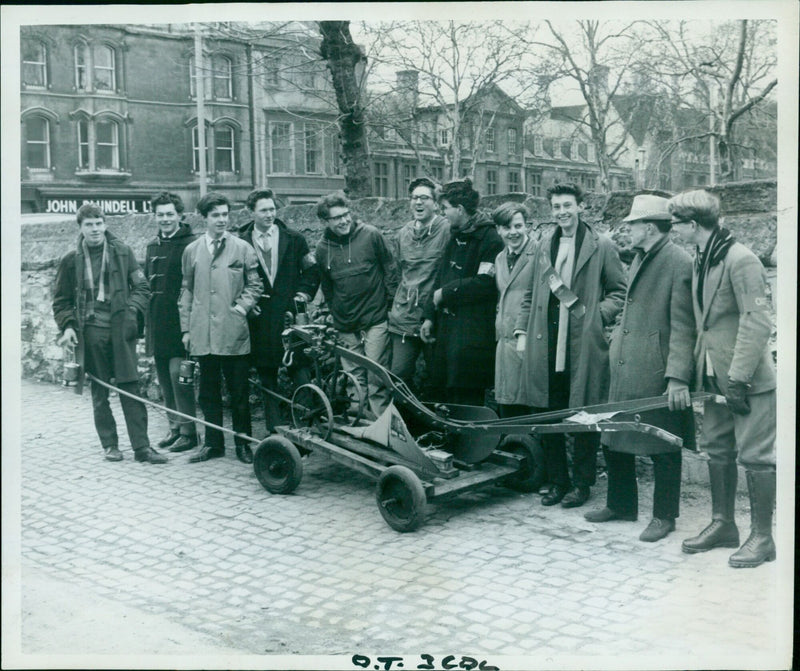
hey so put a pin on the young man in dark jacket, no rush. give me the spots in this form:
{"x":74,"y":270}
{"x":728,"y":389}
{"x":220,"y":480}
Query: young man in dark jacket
{"x":462,"y":307}
{"x":163,"y":334}
{"x":99,"y":302}
{"x":289,"y":273}
{"x":359,"y":277}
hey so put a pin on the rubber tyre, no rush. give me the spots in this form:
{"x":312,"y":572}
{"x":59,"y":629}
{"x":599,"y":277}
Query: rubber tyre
{"x":531,"y":475}
{"x":277,"y":465}
{"x":401,"y":498}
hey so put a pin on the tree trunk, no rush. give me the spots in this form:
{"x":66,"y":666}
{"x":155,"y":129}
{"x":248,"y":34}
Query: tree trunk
{"x":343,"y":58}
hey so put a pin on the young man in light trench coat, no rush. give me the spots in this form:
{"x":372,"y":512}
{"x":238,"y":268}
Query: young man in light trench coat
{"x":650,"y":355}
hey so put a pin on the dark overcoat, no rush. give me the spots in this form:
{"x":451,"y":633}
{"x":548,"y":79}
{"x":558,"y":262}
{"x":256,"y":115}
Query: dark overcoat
{"x":129,"y":295}
{"x":297,"y":272}
{"x":599,"y":282}
{"x":463,"y":354}
{"x":162,"y":267}
{"x":652,"y":343}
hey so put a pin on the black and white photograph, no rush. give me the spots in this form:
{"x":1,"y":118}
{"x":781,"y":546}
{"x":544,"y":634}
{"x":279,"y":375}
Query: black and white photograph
{"x":390,"y":336}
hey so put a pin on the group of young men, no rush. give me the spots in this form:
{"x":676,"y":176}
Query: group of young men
{"x":551,"y":323}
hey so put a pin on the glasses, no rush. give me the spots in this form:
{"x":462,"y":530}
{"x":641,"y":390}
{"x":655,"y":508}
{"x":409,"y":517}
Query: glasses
{"x":341,"y":217}
{"x":422,"y":199}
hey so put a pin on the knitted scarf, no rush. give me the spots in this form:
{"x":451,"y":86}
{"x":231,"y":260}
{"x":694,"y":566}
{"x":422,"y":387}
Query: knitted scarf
{"x":716,"y":248}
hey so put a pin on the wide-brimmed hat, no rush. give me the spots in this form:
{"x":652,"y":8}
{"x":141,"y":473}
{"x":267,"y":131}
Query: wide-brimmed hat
{"x":648,"y":208}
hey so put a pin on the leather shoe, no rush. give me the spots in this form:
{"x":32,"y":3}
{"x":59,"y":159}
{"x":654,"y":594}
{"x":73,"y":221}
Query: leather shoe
{"x":244,"y":454}
{"x":149,"y":455}
{"x":184,"y":443}
{"x":112,"y":453}
{"x":169,"y":439}
{"x":576,"y":497}
{"x":554,"y":496}
{"x":656,"y":530}
{"x":607,"y":515}
{"x":207,"y":452}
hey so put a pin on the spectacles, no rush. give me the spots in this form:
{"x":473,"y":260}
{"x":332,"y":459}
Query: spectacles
{"x":423,"y":199}
{"x":341,"y":217}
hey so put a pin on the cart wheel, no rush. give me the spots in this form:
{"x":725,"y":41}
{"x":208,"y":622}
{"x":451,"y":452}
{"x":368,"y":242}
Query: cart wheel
{"x":277,"y":465}
{"x":531,"y":473}
{"x":347,"y":397}
{"x":311,"y":409}
{"x":401,"y":498}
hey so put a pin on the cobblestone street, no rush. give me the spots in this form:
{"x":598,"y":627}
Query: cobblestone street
{"x":203,"y":547}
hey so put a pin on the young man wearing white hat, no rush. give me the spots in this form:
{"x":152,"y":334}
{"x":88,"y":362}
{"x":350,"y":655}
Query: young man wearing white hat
{"x":650,"y":355}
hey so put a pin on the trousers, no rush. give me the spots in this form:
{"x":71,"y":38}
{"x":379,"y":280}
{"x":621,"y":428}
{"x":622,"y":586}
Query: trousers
{"x":177,"y":396}
{"x":99,"y":358}
{"x":623,"y":493}
{"x":373,"y":343}
{"x":236,"y":370}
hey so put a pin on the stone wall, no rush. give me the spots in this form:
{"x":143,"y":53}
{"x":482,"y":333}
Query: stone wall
{"x":748,"y":210}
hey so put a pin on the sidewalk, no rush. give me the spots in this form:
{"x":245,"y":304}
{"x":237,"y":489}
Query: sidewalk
{"x":203,"y":547}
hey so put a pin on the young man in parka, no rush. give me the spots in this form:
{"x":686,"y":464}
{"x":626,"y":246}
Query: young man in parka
{"x":99,"y":301}
{"x":577,"y":290}
{"x":651,"y":355}
{"x":358,"y":276}
{"x":163,"y":335}
{"x":419,"y":248}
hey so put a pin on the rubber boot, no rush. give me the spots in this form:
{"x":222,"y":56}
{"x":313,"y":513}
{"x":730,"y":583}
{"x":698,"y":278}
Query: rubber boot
{"x":759,"y":547}
{"x":722,"y":532}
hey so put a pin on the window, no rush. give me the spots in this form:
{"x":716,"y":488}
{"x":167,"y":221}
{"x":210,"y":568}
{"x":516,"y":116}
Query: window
{"x":437,"y":171}
{"x":104,"y":79}
{"x":100,"y":145}
{"x":336,"y":155}
{"x":444,"y":136}
{"x":548,"y":146}
{"x":313,"y":142}
{"x":280,"y":139}
{"x":583,"y":151}
{"x":217,"y":78}
{"x":566,"y":149}
{"x":381,"y":179}
{"x":95,"y":67}
{"x":490,"y":139}
{"x":491,"y":182}
{"x":196,"y":149}
{"x":512,"y":141}
{"x":409,"y":174}
{"x":34,"y":64}
{"x":224,"y":152}
{"x":272,"y":71}
{"x":37,"y":143}
{"x":538,"y":150}
{"x":513,"y":181}
{"x":107,"y":148}
{"x":535,"y":181}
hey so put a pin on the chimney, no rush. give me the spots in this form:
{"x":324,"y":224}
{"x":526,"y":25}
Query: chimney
{"x":408,"y":87}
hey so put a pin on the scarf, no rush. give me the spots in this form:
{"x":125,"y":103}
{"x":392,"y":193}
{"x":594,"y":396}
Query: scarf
{"x":565,"y":263}
{"x":716,"y":248}
{"x":89,"y":275}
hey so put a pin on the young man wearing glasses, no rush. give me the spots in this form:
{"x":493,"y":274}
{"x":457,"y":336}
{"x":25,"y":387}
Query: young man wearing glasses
{"x":419,"y":247}
{"x":358,"y":278}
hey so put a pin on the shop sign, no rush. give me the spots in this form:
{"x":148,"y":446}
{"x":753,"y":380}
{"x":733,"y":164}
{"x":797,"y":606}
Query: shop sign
{"x":108,"y":205}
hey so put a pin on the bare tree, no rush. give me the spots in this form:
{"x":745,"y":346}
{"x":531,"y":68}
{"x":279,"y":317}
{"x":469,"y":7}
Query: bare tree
{"x":455,"y":63}
{"x":726,"y":76}
{"x":599,"y":57}
{"x":345,"y":61}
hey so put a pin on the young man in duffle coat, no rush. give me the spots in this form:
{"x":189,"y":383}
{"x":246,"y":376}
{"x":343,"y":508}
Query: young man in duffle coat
{"x":99,"y":301}
{"x":651,"y":355}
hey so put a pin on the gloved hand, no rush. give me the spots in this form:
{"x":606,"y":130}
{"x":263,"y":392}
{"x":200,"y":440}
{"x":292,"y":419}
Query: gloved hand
{"x":736,"y":397}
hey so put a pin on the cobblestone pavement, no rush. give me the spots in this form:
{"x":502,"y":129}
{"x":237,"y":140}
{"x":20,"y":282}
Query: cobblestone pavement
{"x":490,"y":574}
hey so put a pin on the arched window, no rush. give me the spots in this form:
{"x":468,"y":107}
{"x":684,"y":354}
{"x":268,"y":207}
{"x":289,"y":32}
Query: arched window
{"x":224,"y":149}
{"x":196,"y":149}
{"x":222,"y":73}
{"x":101,"y":142}
{"x":95,"y":67}
{"x":34,"y":64}
{"x":37,"y":143}
{"x":217,"y":77}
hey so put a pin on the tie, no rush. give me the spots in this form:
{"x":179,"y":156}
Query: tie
{"x":512,"y":260}
{"x":216,"y":244}
{"x":266,"y":250}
